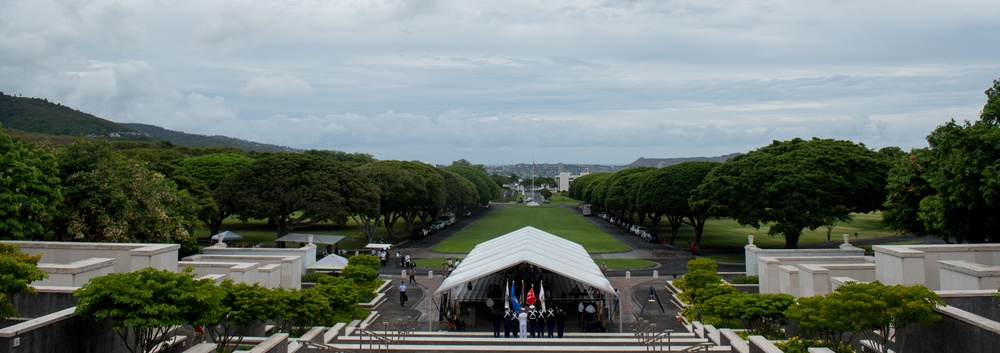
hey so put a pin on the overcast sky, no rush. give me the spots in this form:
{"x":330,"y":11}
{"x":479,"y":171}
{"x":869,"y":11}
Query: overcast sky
{"x":501,"y":82}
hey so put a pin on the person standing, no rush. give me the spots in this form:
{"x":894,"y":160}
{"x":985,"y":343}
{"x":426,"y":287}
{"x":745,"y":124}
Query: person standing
{"x":561,"y":321}
{"x":413,"y":274}
{"x":402,"y":293}
{"x":579,"y":313}
{"x":522,"y":321}
{"x":604,"y":268}
{"x":550,"y":320}
{"x":497,"y":319}
{"x":590,"y":314}
{"x":508,"y":323}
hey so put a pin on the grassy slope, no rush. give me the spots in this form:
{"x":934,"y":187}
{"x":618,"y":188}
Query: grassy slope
{"x":556,"y":220}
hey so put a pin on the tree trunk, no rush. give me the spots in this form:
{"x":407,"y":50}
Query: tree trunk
{"x":792,"y":239}
{"x":675,"y":227}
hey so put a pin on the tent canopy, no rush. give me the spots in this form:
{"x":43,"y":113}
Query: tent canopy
{"x":378,"y":246}
{"x":329,"y":263}
{"x":528,"y":245}
{"x":304,"y":238}
{"x":227,"y":236}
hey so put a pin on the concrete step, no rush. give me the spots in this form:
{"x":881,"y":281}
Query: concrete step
{"x":525,"y":348}
{"x":522,"y":342}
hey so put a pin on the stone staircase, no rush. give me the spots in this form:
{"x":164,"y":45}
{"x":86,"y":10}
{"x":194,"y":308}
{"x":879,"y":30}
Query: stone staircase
{"x":362,"y":339}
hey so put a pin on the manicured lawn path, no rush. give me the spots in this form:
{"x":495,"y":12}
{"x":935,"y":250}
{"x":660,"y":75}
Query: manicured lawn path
{"x":560,"y":221}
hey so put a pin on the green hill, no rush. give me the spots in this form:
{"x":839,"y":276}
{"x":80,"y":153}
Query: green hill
{"x":36,"y":119}
{"x":194,"y":140}
{"x":41,"y":116}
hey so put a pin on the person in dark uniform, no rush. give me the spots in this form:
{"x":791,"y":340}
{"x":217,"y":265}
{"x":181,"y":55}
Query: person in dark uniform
{"x":497,"y":319}
{"x":550,"y":320}
{"x":561,"y":321}
{"x":508,"y":323}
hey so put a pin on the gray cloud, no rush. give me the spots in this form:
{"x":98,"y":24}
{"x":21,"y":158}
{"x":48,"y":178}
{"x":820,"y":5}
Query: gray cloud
{"x":600,"y":81}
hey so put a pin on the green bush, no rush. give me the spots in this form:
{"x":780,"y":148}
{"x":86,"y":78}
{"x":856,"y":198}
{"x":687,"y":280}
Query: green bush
{"x":801,"y":345}
{"x":365,"y":261}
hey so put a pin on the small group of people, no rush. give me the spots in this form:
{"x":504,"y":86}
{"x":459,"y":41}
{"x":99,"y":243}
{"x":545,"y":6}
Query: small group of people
{"x":529,"y":322}
{"x":588,"y":314}
{"x":382,"y":255}
{"x":448,"y":266}
{"x":403,"y":260}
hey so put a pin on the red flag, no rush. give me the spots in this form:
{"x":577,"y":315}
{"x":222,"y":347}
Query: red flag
{"x":531,"y":296}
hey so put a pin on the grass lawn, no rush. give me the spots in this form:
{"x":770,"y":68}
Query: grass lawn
{"x":726,"y":233}
{"x":550,"y":218}
{"x":625,"y":264}
{"x":614,"y":264}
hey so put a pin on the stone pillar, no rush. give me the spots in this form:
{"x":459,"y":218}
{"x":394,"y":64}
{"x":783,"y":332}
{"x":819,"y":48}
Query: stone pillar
{"x":749,"y":239}
{"x":430,"y":274}
{"x":656,"y":274}
{"x":847,"y":239}
{"x":628,"y":274}
{"x":310,"y":239}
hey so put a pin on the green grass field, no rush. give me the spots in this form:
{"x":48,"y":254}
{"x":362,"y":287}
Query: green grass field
{"x":726,"y":233}
{"x":614,"y":264}
{"x":550,"y":218}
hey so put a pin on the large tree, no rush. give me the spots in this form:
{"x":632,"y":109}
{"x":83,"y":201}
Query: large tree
{"x":295,"y":190}
{"x":144,"y":305}
{"x":952,"y":189}
{"x":400,"y":189}
{"x":795,"y":185}
{"x":29,"y":188}
{"x":108,"y":198}
{"x":211,"y":169}
{"x":460,"y":192}
{"x":665,"y":193}
{"x":486,"y":188}
{"x":620,"y":192}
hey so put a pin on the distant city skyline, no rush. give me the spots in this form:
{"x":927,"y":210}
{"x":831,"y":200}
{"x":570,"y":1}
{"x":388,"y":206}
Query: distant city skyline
{"x":588,"y":82}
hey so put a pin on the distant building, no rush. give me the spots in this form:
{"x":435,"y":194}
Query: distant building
{"x":564,"y":179}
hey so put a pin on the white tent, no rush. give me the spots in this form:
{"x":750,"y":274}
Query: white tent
{"x":227,"y":236}
{"x":329,"y":263}
{"x":528,"y":245}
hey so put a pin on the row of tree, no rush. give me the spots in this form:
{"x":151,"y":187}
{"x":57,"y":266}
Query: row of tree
{"x":950,"y":189}
{"x":93,"y":190}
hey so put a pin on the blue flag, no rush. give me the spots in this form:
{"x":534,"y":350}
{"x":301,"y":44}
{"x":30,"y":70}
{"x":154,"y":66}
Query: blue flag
{"x":513,"y":299}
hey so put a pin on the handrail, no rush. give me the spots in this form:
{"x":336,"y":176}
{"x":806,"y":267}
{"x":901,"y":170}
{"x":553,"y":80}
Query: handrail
{"x":658,"y":338}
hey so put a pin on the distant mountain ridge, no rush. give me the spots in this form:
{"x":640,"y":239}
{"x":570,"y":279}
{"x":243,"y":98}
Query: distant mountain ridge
{"x":39,"y":116}
{"x":664,"y":162}
{"x":195,"y":140}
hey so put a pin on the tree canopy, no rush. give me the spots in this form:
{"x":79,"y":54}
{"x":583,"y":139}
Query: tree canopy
{"x":796,"y":184}
{"x":144,"y":304}
{"x":17,"y":271}
{"x":295,"y":190}
{"x":109,"y":197}
{"x":952,"y":188}
{"x":30,"y":188}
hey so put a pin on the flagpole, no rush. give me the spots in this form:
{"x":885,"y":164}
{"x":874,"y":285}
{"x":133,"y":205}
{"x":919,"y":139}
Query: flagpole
{"x":522,"y":291}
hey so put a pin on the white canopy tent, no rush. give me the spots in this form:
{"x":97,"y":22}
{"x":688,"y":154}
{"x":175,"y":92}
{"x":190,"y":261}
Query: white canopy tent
{"x":228,"y":236}
{"x":528,"y":245}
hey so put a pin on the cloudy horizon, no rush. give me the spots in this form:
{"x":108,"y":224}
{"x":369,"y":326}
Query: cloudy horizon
{"x":590,"y":82}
